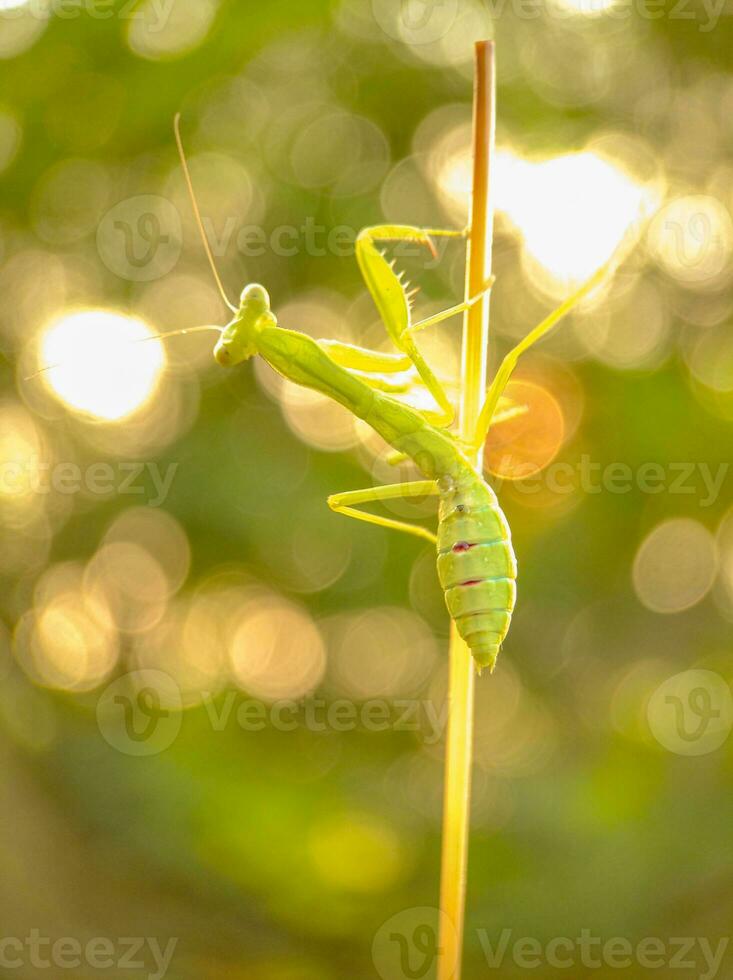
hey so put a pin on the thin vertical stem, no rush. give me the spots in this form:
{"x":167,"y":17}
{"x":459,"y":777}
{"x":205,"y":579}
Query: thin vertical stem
{"x":459,"y":748}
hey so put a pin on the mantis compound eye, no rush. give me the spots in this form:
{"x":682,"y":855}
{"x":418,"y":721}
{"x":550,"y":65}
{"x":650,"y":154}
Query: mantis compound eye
{"x":222,"y":355}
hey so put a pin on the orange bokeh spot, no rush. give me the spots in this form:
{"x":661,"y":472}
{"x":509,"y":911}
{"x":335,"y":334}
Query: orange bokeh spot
{"x":522,"y":446}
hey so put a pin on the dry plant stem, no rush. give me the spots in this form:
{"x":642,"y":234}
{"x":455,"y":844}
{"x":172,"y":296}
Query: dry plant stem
{"x":459,"y":748}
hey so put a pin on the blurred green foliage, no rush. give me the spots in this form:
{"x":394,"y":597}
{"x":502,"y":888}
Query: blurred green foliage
{"x":277,"y":855}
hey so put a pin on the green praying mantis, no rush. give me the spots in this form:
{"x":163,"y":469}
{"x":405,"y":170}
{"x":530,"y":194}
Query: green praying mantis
{"x":476,"y":564}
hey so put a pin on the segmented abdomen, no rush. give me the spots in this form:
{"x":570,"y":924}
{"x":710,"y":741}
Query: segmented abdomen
{"x":476,"y":566}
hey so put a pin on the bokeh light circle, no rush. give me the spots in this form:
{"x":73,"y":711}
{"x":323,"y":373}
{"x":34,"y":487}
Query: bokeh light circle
{"x":675,"y":566}
{"x":93,"y":361}
{"x":522,"y":446}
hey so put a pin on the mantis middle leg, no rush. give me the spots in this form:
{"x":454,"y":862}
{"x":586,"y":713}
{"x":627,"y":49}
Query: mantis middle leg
{"x":379,"y":369}
{"x":363,"y":359}
{"x":343,"y":503}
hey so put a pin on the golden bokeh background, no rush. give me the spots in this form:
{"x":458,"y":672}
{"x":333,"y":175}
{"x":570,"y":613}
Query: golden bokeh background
{"x":162,"y":518}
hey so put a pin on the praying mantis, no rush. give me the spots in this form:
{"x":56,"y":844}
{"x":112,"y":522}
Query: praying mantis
{"x":476,"y":564}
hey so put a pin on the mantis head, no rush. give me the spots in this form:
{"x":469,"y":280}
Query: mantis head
{"x":238,"y":340}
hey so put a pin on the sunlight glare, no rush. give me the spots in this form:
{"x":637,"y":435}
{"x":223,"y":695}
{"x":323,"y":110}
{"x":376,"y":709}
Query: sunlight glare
{"x":587,"y":8}
{"x":96,"y":366}
{"x":572,"y":211}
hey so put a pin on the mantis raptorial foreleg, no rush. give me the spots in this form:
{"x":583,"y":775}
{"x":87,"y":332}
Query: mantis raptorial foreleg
{"x":369,"y":365}
{"x":506,"y":368}
{"x":343,"y":503}
{"x":393,"y":302}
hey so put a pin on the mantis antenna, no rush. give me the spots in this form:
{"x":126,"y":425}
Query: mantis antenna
{"x":140,"y":340}
{"x":197,"y":213}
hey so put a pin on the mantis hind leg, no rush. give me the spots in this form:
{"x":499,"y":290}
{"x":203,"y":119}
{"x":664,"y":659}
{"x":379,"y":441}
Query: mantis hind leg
{"x":344,"y":503}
